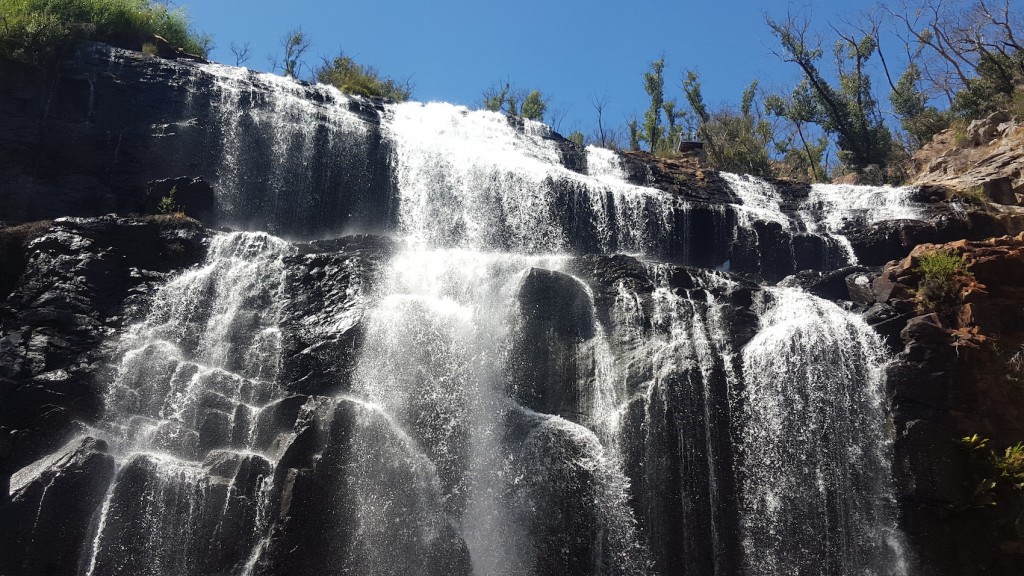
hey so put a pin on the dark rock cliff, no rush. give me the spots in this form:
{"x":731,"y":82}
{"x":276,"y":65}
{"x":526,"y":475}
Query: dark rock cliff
{"x":103,"y":131}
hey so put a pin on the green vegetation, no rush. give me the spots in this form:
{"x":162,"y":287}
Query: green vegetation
{"x":735,"y":141}
{"x":169,"y":205}
{"x":994,"y":471}
{"x":34,"y":30}
{"x":295,"y":44}
{"x":942,"y":273}
{"x":349,"y":76}
{"x":516,"y":102}
{"x":533,"y":106}
{"x":654,"y":84}
{"x":847,"y":109}
{"x":963,"y":60}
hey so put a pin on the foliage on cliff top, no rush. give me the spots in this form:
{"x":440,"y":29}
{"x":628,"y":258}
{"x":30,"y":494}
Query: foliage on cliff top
{"x":33,"y":30}
{"x":350,"y":77}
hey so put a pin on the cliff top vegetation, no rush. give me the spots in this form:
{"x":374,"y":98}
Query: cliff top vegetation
{"x":35,"y":30}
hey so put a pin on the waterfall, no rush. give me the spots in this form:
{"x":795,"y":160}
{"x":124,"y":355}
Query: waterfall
{"x":296,"y":160}
{"x":183,"y":411}
{"x":545,"y":373}
{"x":817,"y":494}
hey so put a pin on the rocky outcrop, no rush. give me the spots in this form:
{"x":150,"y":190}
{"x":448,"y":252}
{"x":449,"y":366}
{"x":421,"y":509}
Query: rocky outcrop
{"x":53,"y":503}
{"x":957,"y":375}
{"x":81,"y":280}
{"x":983,"y":160}
{"x":77,"y":282}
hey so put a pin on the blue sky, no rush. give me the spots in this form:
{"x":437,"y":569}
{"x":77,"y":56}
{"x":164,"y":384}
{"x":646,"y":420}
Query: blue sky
{"x":571,"y":50}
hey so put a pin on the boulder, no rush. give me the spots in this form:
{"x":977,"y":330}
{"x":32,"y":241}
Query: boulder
{"x":52,"y":509}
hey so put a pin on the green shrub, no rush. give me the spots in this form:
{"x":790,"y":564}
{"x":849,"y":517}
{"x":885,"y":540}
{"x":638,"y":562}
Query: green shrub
{"x":350,"y":77}
{"x":168,"y":204}
{"x":34,"y":30}
{"x":993,"y":471}
{"x":941,"y":273}
{"x":1010,"y":465}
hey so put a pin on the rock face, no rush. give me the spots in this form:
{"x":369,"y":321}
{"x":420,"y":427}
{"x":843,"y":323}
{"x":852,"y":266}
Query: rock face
{"x":53,"y":503}
{"x":985,"y":158}
{"x":958,"y":375}
{"x":82,"y":278}
{"x":106,"y":130}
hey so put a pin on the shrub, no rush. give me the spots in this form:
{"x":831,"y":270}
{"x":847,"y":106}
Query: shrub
{"x":34,"y":30}
{"x":941,"y":274}
{"x":993,"y":470}
{"x":350,"y":77}
{"x":168,"y":204}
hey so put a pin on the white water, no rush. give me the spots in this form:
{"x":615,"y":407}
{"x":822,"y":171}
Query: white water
{"x":207,"y":354}
{"x":817,"y":494}
{"x":470,"y":179}
{"x":829,"y":209}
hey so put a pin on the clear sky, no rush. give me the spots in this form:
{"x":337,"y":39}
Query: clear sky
{"x":571,"y":50}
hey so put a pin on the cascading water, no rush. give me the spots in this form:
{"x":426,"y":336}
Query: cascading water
{"x":523,"y":398}
{"x":295,"y":159}
{"x":182,"y":413}
{"x":828,"y":211}
{"x":817,"y":496}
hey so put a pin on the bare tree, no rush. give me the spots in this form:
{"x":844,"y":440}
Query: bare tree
{"x":555,"y":117}
{"x":242,"y":53}
{"x":295,"y":44}
{"x":951,"y":40}
{"x":599,"y":105}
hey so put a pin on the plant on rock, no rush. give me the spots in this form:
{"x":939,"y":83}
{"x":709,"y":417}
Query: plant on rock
{"x":994,"y":471}
{"x":169,"y":205}
{"x":943,"y":273}
{"x":350,"y":77}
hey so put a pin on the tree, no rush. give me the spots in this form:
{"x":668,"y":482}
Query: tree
{"x":969,"y":51}
{"x":634,"y":134}
{"x":654,"y":85}
{"x":242,"y":53}
{"x":496,"y":99}
{"x":533,"y":106}
{"x":735,"y":141}
{"x":295,"y":45}
{"x":806,"y":161}
{"x":350,"y":77}
{"x":918,"y":119}
{"x":599,"y":105}
{"x":848,"y":111}
{"x":577,"y":137}
{"x":517,"y":102}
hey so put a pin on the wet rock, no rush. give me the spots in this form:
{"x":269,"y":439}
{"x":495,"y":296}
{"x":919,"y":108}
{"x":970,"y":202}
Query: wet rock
{"x":327,"y":285}
{"x":107,"y":130}
{"x":552,"y":366}
{"x":81,"y":279}
{"x":52,"y":508}
{"x":952,"y":380}
{"x":834,"y":284}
